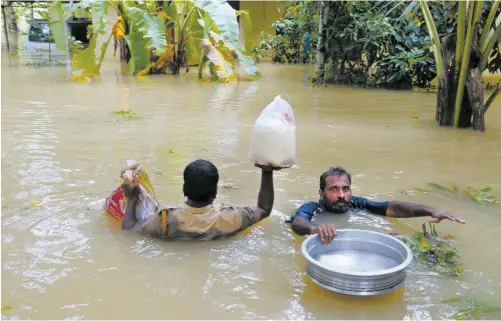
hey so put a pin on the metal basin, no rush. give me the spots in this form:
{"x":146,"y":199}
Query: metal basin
{"x":357,"y":262}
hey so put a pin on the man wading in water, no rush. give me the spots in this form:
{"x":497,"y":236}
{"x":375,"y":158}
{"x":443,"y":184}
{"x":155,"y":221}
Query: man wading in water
{"x":335,"y":197}
{"x":198,"y":218}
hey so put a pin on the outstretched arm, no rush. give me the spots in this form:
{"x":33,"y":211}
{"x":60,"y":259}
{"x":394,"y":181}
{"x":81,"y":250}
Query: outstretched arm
{"x":302,"y":225}
{"x":403,"y":209}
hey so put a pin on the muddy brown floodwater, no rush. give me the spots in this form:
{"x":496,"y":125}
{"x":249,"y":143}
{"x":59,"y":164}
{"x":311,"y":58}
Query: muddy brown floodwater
{"x":63,"y":146}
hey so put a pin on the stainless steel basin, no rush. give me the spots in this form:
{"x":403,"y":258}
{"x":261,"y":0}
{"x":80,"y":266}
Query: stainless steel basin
{"x":357,"y":262}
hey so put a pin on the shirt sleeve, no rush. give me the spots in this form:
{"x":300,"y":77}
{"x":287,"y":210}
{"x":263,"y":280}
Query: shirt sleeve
{"x":363,"y":203}
{"x":306,"y":211}
{"x":249,"y":216}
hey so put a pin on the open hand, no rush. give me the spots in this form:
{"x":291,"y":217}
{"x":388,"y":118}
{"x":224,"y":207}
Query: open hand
{"x":269,"y":167}
{"x":439,"y":215}
{"x":326,"y":232}
{"x":131,"y":189}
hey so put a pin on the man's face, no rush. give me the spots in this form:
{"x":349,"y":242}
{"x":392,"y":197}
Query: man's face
{"x":337,"y":194}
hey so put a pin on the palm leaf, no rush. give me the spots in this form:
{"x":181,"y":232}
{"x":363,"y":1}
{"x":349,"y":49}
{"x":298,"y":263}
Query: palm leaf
{"x":491,"y":41}
{"x":435,"y":40}
{"x":151,"y":27}
{"x":488,"y":25}
{"x":473,"y":15}
{"x":411,"y":8}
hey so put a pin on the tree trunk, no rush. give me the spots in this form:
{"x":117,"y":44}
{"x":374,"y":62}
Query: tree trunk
{"x":322,"y":39}
{"x":472,"y":109}
{"x":446,"y":96}
{"x":475,"y":91}
{"x":10,"y":16}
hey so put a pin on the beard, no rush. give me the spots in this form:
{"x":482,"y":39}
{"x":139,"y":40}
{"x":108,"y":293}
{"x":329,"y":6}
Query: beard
{"x":338,"y":206}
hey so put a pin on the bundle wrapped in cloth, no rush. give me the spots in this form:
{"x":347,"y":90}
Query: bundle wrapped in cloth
{"x":116,"y":203}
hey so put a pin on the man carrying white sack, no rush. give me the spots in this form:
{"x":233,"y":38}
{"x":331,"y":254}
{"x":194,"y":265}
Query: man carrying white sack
{"x":336,"y":198}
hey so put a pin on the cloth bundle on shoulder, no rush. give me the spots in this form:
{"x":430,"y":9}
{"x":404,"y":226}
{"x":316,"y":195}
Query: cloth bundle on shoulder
{"x":115,"y":203}
{"x":273,"y":139}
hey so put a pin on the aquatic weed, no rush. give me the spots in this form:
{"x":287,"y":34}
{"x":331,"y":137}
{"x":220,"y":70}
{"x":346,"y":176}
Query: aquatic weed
{"x":434,"y":249}
{"x":127,"y":114}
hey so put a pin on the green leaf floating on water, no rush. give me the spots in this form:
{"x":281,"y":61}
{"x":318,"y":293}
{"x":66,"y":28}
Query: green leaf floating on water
{"x":6,"y":308}
{"x":434,"y":249}
{"x":472,"y":309}
{"x":127,"y":113}
{"x":482,"y":196}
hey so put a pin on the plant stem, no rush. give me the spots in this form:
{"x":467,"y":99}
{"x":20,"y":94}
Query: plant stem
{"x":473,"y":13}
{"x":435,"y":40}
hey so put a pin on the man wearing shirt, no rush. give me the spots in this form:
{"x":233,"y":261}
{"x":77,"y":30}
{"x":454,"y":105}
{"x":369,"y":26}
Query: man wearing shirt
{"x":336,"y":197}
{"x":198,"y":218}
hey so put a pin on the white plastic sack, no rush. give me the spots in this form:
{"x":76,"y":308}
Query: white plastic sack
{"x":273,"y":139}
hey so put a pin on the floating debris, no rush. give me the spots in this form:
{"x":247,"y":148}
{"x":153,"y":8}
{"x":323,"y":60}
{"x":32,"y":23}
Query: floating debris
{"x":481,"y":196}
{"x":6,"y":308}
{"x":435,"y":250}
{"x":127,"y":113}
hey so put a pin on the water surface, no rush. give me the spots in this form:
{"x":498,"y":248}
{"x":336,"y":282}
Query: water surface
{"x":63,"y":147}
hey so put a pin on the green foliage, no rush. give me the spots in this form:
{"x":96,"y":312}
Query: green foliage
{"x":151,"y":27}
{"x":6,"y":308}
{"x":369,"y":44}
{"x":434,"y":249}
{"x":482,"y":196}
{"x":57,"y":25}
{"x":287,"y":46}
{"x":127,"y":114}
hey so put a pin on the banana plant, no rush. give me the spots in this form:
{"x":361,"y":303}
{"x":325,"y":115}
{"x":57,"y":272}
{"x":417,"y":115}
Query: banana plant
{"x":161,"y":37}
{"x":467,"y":75}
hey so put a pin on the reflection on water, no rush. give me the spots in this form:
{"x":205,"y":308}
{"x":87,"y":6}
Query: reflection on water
{"x":62,"y":147}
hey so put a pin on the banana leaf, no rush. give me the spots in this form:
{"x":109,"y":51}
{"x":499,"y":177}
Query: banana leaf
{"x":85,"y":60}
{"x":57,"y":25}
{"x":225,"y":18}
{"x":246,"y":22}
{"x":151,"y":27}
{"x":101,"y":8}
{"x":104,"y":46}
{"x":218,"y":57}
{"x":140,"y":55}
{"x":193,"y":32}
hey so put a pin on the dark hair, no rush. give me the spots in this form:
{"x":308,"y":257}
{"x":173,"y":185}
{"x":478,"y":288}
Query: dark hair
{"x":333,"y":171}
{"x":200,"y":181}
